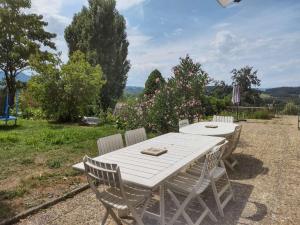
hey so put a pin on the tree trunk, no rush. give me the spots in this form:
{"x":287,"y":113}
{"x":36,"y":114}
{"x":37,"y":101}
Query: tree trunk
{"x":11,"y":85}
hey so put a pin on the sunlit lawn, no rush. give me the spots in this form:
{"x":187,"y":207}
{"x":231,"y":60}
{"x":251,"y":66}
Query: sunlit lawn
{"x":36,"y":159}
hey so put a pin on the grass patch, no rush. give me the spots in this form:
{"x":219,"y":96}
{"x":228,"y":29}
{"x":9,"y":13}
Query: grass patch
{"x":38,"y":155}
{"x":8,"y":195}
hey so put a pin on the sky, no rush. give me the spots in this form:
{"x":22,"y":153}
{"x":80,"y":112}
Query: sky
{"x":264,"y":34}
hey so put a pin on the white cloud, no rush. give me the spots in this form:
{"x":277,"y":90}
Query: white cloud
{"x":127,"y":4}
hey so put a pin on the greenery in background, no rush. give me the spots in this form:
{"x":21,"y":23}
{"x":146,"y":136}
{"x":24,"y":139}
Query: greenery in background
{"x":99,"y":31}
{"x":291,"y":109}
{"x":154,"y":82}
{"x":22,"y":35}
{"x":246,"y":79}
{"x":65,"y":92}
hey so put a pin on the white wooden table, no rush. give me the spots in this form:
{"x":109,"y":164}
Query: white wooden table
{"x":153,"y":171}
{"x":223,"y":129}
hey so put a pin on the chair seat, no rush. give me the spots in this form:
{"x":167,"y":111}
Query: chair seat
{"x":197,"y":168}
{"x":113,"y":197}
{"x":183,"y":183}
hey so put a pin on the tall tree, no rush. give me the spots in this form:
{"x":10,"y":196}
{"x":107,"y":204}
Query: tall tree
{"x":246,"y":78}
{"x":22,"y":35}
{"x":99,"y":32}
{"x":154,"y":82}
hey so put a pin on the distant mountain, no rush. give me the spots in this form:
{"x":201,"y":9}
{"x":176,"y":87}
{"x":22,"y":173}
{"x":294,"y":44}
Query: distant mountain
{"x":284,"y":92}
{"x":21,"y":77}
{"x":133,"y":90}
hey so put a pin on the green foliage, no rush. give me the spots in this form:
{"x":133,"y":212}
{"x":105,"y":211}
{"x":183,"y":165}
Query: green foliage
{"x":65,"y":92}
{"x":154,"y":82}
{"x":9,"y":195}
{"x":213,"y":105}
{"x":263,"y":114}
{"x":22,"y":35}
{"x":291,"y":109}
{"x":99,"y":32}
{"x":181,"y":97}
{"x":54,"y":163}
{"x":246,"y":78}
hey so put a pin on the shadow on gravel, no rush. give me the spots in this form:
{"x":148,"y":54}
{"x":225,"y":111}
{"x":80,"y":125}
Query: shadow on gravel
{"x":248,"y":167}
{"x":236,"y":210}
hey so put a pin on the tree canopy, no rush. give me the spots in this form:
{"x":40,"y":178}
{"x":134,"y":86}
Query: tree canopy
{"x":154,"y":82}
{"x":65,"y":92}
{"x":99,"y":32}
{"x":246,"y":78}
{"x":22,"y":35}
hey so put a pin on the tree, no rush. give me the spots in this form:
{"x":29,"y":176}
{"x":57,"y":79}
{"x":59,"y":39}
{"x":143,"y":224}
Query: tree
{"x":21,"y":36}
{"x":99,"y":32}
{"x":189,"y":84}
{"x":246,"y":78}
{"x":65,"y":91}
{"x":154,"y":82}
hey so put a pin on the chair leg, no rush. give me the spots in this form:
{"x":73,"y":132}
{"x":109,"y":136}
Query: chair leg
{"x":210,"y":214}
{"x":104,"y":218}
{"x":114,"y":216}
{"x":185,"y":215}
{"x":230,"y":187}
{"x":217,"y":198}
{"x":228,"y":164}
{"x":137,"y":218}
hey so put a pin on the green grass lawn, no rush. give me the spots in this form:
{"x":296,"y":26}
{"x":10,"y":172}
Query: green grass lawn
{"x":36,"y":159}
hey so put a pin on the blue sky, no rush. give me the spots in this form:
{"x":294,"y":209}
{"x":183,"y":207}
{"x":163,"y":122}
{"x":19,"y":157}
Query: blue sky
{"x":264,"y":34}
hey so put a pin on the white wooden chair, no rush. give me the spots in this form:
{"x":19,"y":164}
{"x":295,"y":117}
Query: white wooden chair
{"x":190,"y":186}
{"x":223,"y":119}
{"x":183,"y":123}
{"x":110,"y":143}
{"x":216,"y":171}
{"x":228,"y":159}
{"x":113,"y":194}
{"x":135,"y":136}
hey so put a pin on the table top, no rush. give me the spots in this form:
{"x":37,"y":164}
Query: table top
{"x":223,"y":129}
{"x":150,"y":171}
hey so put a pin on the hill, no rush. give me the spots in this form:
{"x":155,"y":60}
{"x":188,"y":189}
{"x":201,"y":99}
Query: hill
{"x":21,"y":77}
{"x":133,"y":90}
{"x":284,"y":92}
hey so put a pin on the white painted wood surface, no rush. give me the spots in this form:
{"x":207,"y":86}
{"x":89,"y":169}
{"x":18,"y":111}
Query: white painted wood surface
{"x":110,"y":143}
{"x":223,"y":119}
{"x":135,"y":136}
{"x":151,"y":171}
{"x":223,"y":129}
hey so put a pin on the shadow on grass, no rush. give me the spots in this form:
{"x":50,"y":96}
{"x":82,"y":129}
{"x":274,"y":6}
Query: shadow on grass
{"x":248,"y":167}
{"x":235,"y":211}
{"x":9,"y":127}
{"x":6,"y":211}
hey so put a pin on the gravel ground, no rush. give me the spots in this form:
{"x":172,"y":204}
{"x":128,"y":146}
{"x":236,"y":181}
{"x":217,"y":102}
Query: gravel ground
{"x":266,"y":183}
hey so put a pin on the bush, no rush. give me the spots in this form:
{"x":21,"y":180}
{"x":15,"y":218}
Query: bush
{"x":291,"y":109}
{"x":65,"y":92}
{"x":264,"y":115}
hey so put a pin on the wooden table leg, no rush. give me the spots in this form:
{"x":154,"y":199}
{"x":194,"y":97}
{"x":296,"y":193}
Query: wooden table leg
{"x":162,"y":204}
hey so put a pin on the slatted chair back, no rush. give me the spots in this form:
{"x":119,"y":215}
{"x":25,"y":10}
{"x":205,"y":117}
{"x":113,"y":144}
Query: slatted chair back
{"x":214,"y":157}
{"x":106,"y":174}
{"x":183,"y":123}
{"x":110,"y":143}
{"x":223,"y":119}
{"x":232,"y":142}
{"x":135,"y":136}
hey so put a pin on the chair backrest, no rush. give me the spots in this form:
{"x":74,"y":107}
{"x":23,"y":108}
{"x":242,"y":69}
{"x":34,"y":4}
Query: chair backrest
{"x":233,"y":141}
{"x":135,"y":136}
{"x":110,"y":143}
{"x":223,"y":119}
{"x":236,"y":136}
{"x":214,"y":157}
{"x":106,"y":174}
{"x":183,"y":123}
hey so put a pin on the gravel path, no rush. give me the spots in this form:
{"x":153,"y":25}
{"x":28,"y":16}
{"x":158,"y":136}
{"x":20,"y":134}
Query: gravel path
{"x":266,"y":183}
